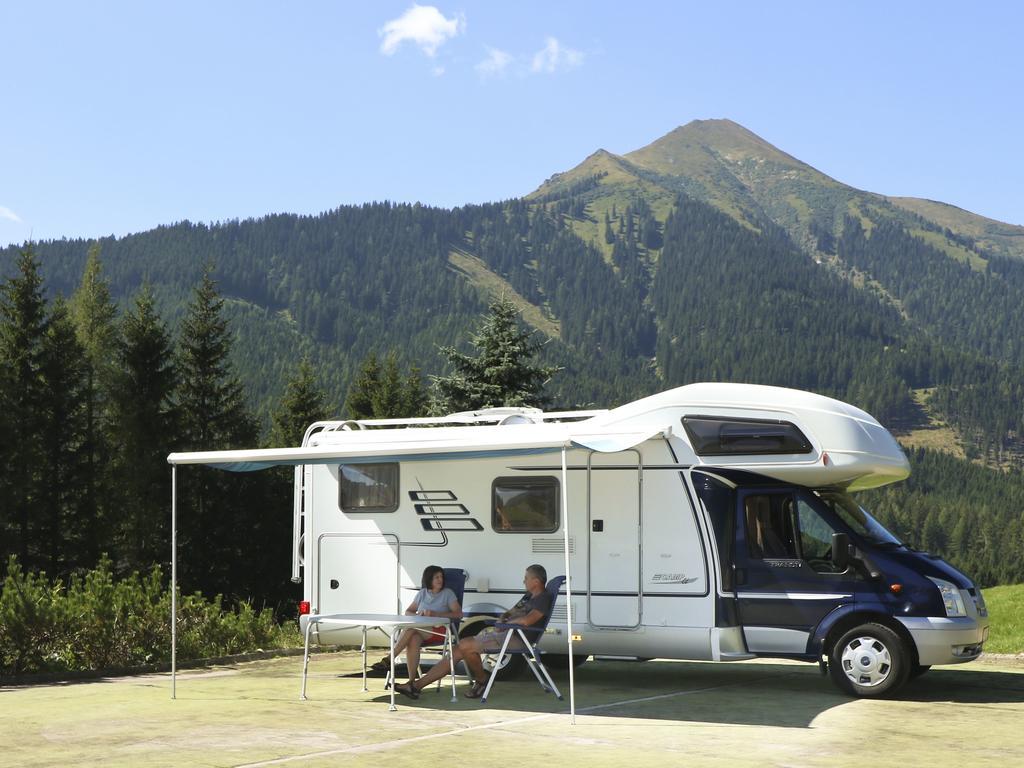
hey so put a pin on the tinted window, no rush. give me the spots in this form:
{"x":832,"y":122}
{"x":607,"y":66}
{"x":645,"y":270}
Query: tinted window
{"x":771,"y":526}
{"x":717,"y":499}
{"x":713,"y":436}
{"x":525,"y":504}
{"x":368,"y":488}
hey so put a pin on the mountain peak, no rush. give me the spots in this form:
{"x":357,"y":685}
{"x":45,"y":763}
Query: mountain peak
{"x":721,"y":139}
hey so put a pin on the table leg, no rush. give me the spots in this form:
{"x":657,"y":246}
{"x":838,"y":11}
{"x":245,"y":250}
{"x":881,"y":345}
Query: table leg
{"x":451,"y":660}
{"x":305,"y":662}
{"x":365,"y":689}
{"x":391,"y":655}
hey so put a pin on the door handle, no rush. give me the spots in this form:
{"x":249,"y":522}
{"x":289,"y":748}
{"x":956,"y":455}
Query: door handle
{"x":334,"y":584}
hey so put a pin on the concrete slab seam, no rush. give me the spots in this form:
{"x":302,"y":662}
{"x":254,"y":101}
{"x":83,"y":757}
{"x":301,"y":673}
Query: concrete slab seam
{"x":383,"y":745}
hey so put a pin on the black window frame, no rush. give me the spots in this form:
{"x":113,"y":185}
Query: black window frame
{"x":383,"y":510}
{"x":701,"y":444}
{"x":526,"y":482}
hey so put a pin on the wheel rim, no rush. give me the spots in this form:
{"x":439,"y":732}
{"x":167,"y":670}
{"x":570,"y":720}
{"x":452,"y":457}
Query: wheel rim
{"x":866,"y":661}
{"x":489,"y":660}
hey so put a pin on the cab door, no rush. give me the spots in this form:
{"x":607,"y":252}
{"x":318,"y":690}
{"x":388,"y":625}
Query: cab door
{"x":785,"y":581}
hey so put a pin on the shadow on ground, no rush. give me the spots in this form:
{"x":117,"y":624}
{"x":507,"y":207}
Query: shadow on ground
{"x":764,"y":694}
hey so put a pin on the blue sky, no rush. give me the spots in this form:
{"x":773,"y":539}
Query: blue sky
{"x":118,"y":117}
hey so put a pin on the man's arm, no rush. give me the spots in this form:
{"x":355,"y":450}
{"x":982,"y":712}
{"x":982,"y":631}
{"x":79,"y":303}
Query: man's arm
{"x":529,"y":619}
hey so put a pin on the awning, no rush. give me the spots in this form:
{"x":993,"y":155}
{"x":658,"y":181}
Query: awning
{"x":366,"y":446}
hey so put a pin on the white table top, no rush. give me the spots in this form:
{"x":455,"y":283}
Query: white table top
{"x":376,"y":620}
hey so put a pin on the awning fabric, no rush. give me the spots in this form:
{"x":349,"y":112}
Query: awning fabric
{"x":427,"y":445}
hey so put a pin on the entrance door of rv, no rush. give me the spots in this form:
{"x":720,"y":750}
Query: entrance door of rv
{"x":614,"y":487}
{"x":785,"y":581}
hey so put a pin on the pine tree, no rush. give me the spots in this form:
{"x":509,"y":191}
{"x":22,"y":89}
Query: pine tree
{"x":67,"y":530}
{"x":217,"y":527}
{"x":23,"y":328}
{"x":94,"y":316}
{"x":143,"y":430}
{"x":380,"y":392}
{"x":359,"y":404}
{"x":501,"y":373}
{"x":304,"y":402}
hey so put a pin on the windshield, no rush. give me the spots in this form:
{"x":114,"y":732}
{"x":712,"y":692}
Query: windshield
{"x":858,"y":518}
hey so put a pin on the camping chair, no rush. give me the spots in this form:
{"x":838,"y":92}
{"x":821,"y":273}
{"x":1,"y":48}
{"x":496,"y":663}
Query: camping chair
{"x":455,"y":580}
{"x":529,"y":649}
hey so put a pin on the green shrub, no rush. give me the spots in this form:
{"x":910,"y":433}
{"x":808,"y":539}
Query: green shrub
{"x":95,"y":622}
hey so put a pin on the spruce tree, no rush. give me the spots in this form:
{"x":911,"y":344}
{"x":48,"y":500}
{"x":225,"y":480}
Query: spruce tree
{"x":501,"y":372}
{"x":217,"y":523}
{"x":23,"y":327}
{"x":67,"y":528}
{"x":303,"y":403}
{"x":381,"y":392}
{"x":359,"y":404}
{"x":143,"y":428}
{"x":95,"y":316}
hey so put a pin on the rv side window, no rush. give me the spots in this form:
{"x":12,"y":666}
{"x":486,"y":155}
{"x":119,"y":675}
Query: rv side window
{"x":368,"y":488}
{"x":524,"y":505}
{"x":719,"y":436}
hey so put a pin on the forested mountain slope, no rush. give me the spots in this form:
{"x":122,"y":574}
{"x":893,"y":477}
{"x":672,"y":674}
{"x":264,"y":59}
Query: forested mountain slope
{"x":707,"y":255}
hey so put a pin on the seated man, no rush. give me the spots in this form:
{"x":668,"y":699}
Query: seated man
{"x":531,"y":609}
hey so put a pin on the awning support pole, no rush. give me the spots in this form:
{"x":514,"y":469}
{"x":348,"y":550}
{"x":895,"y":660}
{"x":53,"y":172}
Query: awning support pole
{"x":174,"y":580}
{"x":568,"y":587}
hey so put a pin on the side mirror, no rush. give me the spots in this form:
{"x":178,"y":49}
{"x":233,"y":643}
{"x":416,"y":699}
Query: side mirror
{"x":840,"y":551}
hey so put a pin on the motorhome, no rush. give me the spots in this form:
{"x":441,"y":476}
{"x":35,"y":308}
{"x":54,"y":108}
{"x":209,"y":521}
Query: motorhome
{"x":709,"y":522}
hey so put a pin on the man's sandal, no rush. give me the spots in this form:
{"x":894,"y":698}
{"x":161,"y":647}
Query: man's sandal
{"x":477,"y":690}
{"x":407,"y":689}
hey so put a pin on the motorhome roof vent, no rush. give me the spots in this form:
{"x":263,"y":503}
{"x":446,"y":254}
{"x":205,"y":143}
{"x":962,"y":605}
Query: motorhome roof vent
{"x":516,"y":418}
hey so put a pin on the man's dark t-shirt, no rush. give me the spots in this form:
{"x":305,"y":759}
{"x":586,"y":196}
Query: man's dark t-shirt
{"x":526,"y":605}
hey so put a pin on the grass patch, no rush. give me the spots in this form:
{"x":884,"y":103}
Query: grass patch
{"x":955,"y":251}
{"x":1006,"y":609}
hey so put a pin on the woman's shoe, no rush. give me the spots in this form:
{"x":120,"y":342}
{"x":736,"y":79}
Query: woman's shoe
{"x":477,"y":690}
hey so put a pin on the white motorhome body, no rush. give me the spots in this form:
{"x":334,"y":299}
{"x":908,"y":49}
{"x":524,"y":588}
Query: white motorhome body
{"x":659,"y":526}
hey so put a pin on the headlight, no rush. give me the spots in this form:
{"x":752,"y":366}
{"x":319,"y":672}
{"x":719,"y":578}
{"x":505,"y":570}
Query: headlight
{"x":951,"y":598}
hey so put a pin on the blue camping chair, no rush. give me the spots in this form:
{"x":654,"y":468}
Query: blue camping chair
{"x":530,"y":637}
{"x":455,"y":580}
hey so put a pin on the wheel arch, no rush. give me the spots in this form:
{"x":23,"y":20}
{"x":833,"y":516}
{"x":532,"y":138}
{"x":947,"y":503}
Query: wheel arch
{"x":846,"y":618}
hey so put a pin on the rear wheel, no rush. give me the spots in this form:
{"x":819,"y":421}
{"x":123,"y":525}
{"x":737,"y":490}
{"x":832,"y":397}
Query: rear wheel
{"x":870,"y":660}
{"x":559,"y":662}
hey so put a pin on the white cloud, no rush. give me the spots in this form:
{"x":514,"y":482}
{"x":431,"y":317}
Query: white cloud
{"x":422,"y":25}
{"x":554,"y":57}
{"x":7,"y":213}
{"x":495,"y":63}
{"x":437,"y":71}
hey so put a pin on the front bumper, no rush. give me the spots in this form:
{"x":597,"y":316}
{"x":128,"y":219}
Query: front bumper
{"x":947,"y":641}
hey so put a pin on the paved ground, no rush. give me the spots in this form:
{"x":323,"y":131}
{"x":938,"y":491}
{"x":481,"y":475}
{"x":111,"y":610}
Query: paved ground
{"x":654,"y":713}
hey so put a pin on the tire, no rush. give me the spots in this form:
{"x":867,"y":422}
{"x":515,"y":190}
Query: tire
{"x":513,"y":664}
{"x":558,"y":663}
{"x":869,"y":661}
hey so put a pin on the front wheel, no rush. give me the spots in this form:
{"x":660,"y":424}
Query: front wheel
{"x":870,"y":660}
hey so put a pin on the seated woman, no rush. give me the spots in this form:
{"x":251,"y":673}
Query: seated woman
{"x":433,"y":599}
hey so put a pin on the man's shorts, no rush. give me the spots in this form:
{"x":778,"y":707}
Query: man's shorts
{"x":490,"y":640}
